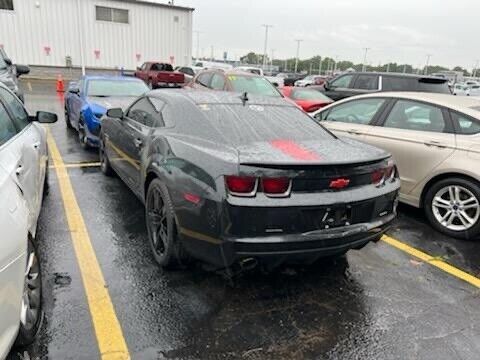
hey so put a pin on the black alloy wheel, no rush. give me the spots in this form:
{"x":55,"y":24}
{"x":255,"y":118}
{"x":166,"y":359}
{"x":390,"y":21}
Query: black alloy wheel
{"x":162,"y":232}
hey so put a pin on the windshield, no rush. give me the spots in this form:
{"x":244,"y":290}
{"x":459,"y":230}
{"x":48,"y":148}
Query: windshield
{"x":116,"y":88}
{"x":253,"y":85}
{"x":309,"y":94}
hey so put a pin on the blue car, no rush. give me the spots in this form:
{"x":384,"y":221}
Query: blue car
{"x":89,"y":99}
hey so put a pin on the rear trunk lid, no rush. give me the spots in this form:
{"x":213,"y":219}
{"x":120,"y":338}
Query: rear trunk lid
{"x":170,"y":77}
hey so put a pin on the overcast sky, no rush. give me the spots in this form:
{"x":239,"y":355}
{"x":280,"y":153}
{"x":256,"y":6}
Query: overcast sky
{"x":402,"y":31}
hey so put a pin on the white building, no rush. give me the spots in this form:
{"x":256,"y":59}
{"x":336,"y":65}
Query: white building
{"x":112,"y":33}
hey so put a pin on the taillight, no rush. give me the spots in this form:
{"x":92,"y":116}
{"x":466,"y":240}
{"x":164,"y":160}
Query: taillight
{"x":388,"y":173}
{"x":241,"y":185}
{"x":276,"y":186}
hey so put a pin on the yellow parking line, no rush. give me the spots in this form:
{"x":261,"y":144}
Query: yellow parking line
{"x":108,"y":331}
{"x":78,"y":165}
{"x":442,"y":265}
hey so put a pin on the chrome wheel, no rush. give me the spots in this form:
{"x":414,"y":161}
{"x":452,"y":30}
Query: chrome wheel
{"x":456,"y":208}
{"x":32,"y":292}
{"x":157,"y":222}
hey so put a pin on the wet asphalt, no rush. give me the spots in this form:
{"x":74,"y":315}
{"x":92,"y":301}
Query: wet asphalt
{"x":376,"y":303}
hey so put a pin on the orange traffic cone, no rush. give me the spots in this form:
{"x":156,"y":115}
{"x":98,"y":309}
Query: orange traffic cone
{"x":60,"y":84}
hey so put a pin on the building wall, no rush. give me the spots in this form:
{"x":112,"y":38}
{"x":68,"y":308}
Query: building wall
{"x":44,"y":32}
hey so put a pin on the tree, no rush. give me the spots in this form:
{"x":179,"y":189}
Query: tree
{"x":253,"y":58}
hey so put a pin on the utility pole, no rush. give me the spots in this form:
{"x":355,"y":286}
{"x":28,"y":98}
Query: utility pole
{"x":388,"y":67}
{"x":310,"y":71}
{"x":271,"y":60}
{"x":320,"y":66}
{"x":475,"y":68}
{"x":265,"y":45}
{"x":198,"y":43}
{"x":335,"y":62}
{"x":286,"y":66}
{"x":298,"y":53}
{"x":211,"y":53}
{"x":427,"y":63}
{"x":404,"y":68}
{"x":364,"y":64}
{"x":80,"y":36}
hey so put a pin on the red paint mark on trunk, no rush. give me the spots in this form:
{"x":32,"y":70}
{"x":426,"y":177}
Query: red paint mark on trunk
{"x":296,"y":151}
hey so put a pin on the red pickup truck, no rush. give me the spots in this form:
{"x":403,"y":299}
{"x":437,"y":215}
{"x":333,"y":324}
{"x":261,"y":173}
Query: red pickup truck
{"x":160,"y":75}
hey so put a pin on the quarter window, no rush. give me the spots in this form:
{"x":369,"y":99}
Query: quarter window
{"x":20,"y":116}
{"x":6,"y":4}
{"x":111,"y":14}
{"x":465,"y":125}
{"x":366,"y":82}
{"x":7,"y":129}
{"x":356,"y":112}
{"x":412,"y":115}
{"x":342,"y":81}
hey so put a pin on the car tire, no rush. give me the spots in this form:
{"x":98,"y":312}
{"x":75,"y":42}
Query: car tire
{"x":82,"y":136}
{"x":31,"y":315}
{"x":460,"y":208}
{"x":104,"y":160}
{"x":67,"y":120}
{"x":163,"y":238}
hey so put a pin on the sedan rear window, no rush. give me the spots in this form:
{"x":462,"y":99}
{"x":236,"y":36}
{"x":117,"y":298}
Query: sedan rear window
{"x":465,"y":125}
{"x":253,"y":85}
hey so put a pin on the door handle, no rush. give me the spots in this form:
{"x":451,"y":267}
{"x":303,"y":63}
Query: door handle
{"x":435,"y":143}
{"x":354,"y":132}
{"x":138,"y":143}
{"x":19,"y":170}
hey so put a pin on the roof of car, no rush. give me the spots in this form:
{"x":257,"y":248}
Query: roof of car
{"x":467,"y":104}
{"x":415,"y":76}
{"x":203,"y":97}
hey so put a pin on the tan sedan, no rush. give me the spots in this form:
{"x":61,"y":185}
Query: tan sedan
{"x":435,"y":140}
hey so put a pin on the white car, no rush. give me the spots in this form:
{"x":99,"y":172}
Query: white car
{"x":461,"y":90}
{"x":310,"y":80}
{"x":23,"y":169}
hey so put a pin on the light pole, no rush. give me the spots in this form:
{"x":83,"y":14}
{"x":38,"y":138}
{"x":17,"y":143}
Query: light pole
{"x":198,"y":43}
{"x":80,"y":36}
{"x":427,"y":63}
{"x":320,"y":66}
{"x":271,"y":60}
{"x":298,"y":53}
{"x":475,"y":68}
{"x":266,"y":26}
{"x":364,"y":64}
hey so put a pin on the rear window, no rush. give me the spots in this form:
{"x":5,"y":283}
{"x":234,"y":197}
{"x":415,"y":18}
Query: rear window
{"x":253,"y":85}
{"x":464,"y":124}
{"x":105,"y":88}
{"x":238,"y":124}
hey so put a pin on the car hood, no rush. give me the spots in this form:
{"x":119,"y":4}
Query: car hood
{"x":309,"y":152}
{"x":102,"y":104}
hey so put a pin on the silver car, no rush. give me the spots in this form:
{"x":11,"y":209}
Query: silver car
{"x":23,"y":169}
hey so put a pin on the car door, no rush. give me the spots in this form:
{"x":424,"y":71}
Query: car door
{"x":419,"y":135}
{"x":352,"y":119}
{"x":27,"y":151}
{"x":340,"y":87}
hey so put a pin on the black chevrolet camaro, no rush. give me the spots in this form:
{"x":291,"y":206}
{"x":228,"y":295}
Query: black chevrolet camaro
{"x":230,"y":178}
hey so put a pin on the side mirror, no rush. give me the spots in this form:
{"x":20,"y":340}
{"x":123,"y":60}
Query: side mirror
{"x":44,"y":117}
{"x":115,"y":113}
{"x":22,"y":70}
{"x":8,"y":61}
{"x":138,"y":68}
{"x":74,"y":90}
